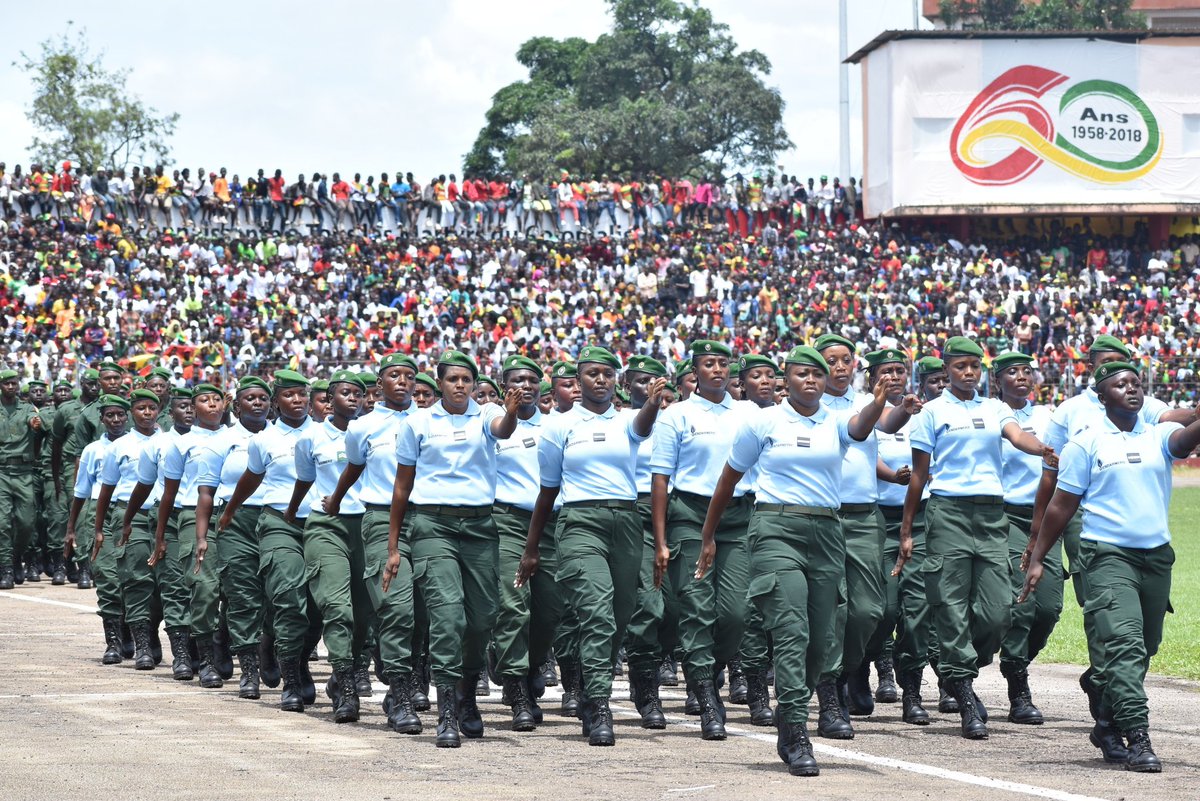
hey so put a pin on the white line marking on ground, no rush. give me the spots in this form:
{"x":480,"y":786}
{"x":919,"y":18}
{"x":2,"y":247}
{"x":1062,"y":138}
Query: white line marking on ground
{"x":12,"y":596}
{"x":691,"y":789}
{"x":104,"y":696}
{"x":898,"y":764}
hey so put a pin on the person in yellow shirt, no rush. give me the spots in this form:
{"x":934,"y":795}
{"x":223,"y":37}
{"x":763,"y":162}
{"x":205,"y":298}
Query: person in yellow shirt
{"x":162,"y":193}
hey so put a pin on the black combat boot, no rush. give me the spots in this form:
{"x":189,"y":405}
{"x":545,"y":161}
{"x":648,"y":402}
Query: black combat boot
{"x":58,"y":571}
{"x":346,"y":704}
{"x":33,"y":567}
{"x":973,"y":726}
{"x":758,"y":696}
{"x":7,"y":577}
{"x":795,"y":749}
{"x":143,"y":657}
{"x":1142,"y":758}
{"x":447,"y":727}
{"x":362,"y":681}
{"x":546,"y":669}
{"x":643,"y":685}
{"x":222,"y":656}
{"x":1020,"y":701}
{"x":947,"y":704}
{"x":470,"y":722}
{"x":419,"y":691}
{"x":83,"y":578}
{"x":830,"y":722}
{"x":886,"y":692}
{"x":1104,"y":734}
{"x":737,"y":683}
{"x":308,"y":687}
{"x":18,"y":569}
{"x":248,"y":684}
{"x":209,"y":677}
{"x":127,"y":646}
{"x":712,"y":726}
{"x":482,"y":688}
{"x":517,"y":691}
{"x":155,"y":642}
{"x":910,"y":701}
{"x":668,"y":673}
{"x":536,"y":689}
{"x":268,"y":664}
{"x":859,"y":700}
{"x":598,"y":722}
{"x":289,"y":672}
{"x":402,"y":718}
{"x":572,"y":687}
{"x":112,"y":641}
{"x":181,"y":658}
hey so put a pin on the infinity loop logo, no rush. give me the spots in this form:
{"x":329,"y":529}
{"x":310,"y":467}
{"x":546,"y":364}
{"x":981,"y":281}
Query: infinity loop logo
{"x":1125,"y":132}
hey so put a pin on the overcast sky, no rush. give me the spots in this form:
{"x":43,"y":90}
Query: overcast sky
{"x":378,"y":86}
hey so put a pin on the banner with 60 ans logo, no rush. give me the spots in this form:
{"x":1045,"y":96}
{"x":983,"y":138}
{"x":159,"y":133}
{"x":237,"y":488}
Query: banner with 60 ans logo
{"x":1031,"y":124}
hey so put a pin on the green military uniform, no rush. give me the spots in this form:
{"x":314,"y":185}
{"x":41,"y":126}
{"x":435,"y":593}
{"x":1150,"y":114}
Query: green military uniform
{"x":335,"y":566}
{"x":653,"y":629}
{"x":139,"y":581}
{"x":62,"y":432}
{"x":1034,"y":620}
{"x":18,"y":480}
{"x":284,"y":573}
{"x":49,"y":505}
{"x":528,"y":615}
{"x":394,"y":615}
{"x":205,"y":586}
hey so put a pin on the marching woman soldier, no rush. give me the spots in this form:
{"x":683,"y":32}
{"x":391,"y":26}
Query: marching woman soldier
{"x":425,"y":392}
{"x":1032,"y":623}
{"x":486,"y":391}
{"x":685,"y":378}
{"x":690,"y":441}
{"x":113,"y":412}
{"x":118,"y":478}
{"x":1119,"y":472}
{"x":797,"y":552}
{"x":564,"y":386}
{"x":181,"y":467}
{"x":318,"y":401}
{"x":589,"y":455}
{"x":956,"y":451}
{"x":371,"y":467}
{"x":446,"y":458}
{"x":528,"y":616}
{"x":223,"y":461}
{"x":271,"y":465}
{"x":333,"y":545}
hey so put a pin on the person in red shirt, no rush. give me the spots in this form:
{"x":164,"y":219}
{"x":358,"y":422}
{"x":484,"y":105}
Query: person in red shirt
{"x":497,"y":203}
{"x":341,"y":200}
{"x":453,"y":211}
{"x":278,"y":207}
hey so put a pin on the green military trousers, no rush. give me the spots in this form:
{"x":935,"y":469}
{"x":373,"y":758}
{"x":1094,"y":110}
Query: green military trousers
{"x":528,"y":616}
{"x":281,"y":565}
{"x":18,"y":511}
{"x":863,"y":593}
{"x":106,"y":567}
{"x":1034,"y":620}
{"x":139,"y":581}
{"x":335,"y":565}
{"x":1070,"y":541}
{"x":48,"y":511}
{"x":455,"y":555}
{"x":393,"y":610}
{"x":1129,"y":591}
{"x":906,"y":610}
{"x":599,"y":558}
{"x":967,"y":582}
{"x":797,"y":564}
{"x":653,"y":631}
{"x":241,"y":582}
{"x":713,"y":609}
{"x":174,"y":594}
{"x":204,"y":586}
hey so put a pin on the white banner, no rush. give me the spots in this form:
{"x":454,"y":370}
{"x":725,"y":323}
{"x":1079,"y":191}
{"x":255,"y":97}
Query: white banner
{"x":964,"y":124}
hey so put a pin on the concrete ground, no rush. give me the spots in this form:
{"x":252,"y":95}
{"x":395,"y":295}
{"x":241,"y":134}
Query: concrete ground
{"x":74,"y":729}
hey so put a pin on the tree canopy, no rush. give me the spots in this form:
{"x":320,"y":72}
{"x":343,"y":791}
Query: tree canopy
{"x":1056,"y":15}
{"x":666,"y":90}
{"x":83,"y":111}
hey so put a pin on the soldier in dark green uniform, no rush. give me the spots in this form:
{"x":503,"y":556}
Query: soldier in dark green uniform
{"x":159,"y":382}
{"x":35,"y":553}
{"x":111,"y":379}
{"x":63,"y":457}
{"x":19,"y":424}
{"x":53,"y":507}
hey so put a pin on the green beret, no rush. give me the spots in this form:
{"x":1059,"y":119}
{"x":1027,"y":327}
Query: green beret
{"x":752,"y":360}
{"x":142,"y":394}
{"x":598,"y":355}
{"x":91,"y":374}
{"x":877,"y":358}
{"x":205,"y":389}
{"x":484,"y":379}
{"x":286,"y":379}
{"x":76,"y":394}
{"x":545,"y":388}
{"x":347,"y":377}
{"x":112,"y":400}
{"x":252,"y":382}
{"x":320,"y":385}
{"x":803,"y":354}
{"x":110,"y":366}
{"x":829,"y":340}
{"x":66,"y":384}
{"x":1109,"y":369}
{"x":181,"y":393}
{"x":398,"y":360}
{"x":160,"y":372}
{"x":623,"y":395}
{"x":1008,"y":359}
{"x":645,"y":364}
{"x":35,"y":382}
{"x":930,"y":365}
{"x":517,"y":362}
{"x":563,"y":370}
{"x":1110,"y":344}
{"x":710,"y":347}
{"x":369,"y":379}
{"x":7,"y":375}
{"x":456,"y":358}
{"x":683,"y":368}
{"x":429,"y":381}
{"x":961,"y":346}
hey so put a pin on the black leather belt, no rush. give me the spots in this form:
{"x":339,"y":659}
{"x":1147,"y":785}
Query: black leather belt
{"x":509,"y":509}
{"x":978,"y":500}
{"x":796,"y":509}
{"x":607,"y":503}
{"x":856,"y":508}
{"x":446,"y":510}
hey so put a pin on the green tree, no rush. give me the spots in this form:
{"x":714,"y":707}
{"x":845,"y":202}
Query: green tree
{"x":1053,"y":15}
{"x":83,"y":112}
{"x":665,"y":90}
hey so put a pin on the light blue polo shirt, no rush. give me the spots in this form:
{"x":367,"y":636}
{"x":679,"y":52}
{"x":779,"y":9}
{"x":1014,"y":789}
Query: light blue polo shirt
{"x":271,"y":454}
{"x":517,"y":464}
{"x":895,"y":451}
{"x":150,"y":460}
{"x":859,"y":484}
{"x":91,"y":464}
{"x":1022,"y":472}
{"x":963,"y":439}
{"x":454,"y":454}
{"x":799,"y":458}
{"x":1125,"y":481}
{"x":320,"y":458}
{"x":223,"y":460}
{"x":1079,"y":412}
{"x":371,"y":443}
{"x":692,"y":440}
{"x":590,"y":457}
{"x":120,"y":469}
{"x":181,"y":462}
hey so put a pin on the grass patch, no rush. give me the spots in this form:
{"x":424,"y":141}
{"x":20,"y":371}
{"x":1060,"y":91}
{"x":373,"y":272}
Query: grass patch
{"x":1179,"y":654}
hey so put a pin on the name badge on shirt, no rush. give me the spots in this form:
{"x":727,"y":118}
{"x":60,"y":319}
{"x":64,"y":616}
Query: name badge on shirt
{"x":529,"y":442}
{"x":1027,"y":429}
{"x":899,"y":436}
{"x":1134,"y":458}
{"x":460,"y":436}
{"x":977,"y":422}
{"x":598,"y":436}
{"x":803,"y":442}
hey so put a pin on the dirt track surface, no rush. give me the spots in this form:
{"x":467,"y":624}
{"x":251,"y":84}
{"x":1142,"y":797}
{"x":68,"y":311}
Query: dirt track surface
{"x":73,"y":729}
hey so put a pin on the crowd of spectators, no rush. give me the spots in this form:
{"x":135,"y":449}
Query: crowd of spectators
{"x":215,"y":278}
